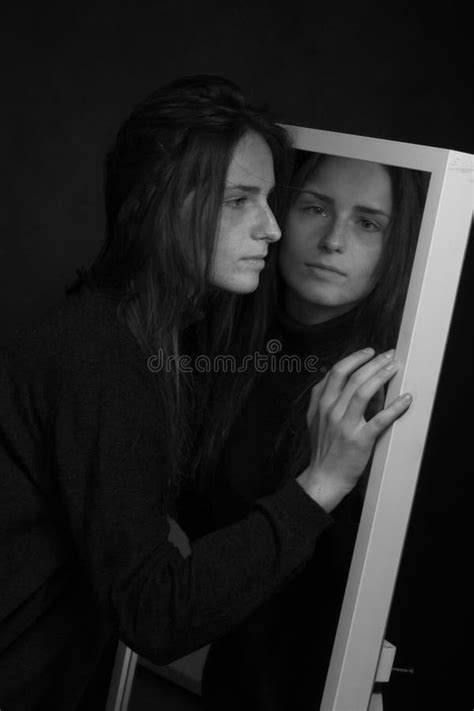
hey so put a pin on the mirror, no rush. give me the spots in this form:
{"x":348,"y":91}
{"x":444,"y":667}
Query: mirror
{"x":396,"y":462}
{"x":446,"y":180}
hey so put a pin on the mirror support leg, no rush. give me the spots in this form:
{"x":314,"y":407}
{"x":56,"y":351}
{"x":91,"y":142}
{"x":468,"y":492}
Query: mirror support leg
{"x":122,"y":679}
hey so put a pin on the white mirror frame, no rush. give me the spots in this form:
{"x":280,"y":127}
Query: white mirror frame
{"x":422,"y":339}
{"x":423,"y":334}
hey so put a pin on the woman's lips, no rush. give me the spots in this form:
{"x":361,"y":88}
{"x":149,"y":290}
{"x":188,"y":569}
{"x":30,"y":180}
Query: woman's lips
{"x":324,"y":269}
{"x":256,"y":262}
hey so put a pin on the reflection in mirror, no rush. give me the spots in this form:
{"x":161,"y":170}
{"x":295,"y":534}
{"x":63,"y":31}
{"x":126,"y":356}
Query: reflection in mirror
{"x":350,"y":230}
{"x":349,"y":237}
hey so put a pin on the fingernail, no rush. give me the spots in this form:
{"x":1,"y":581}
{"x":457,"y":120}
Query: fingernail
{"x":406,"y":398}
{"x":389,"y":354}
{"x":390,"y":366}
{"x":368,"y":350}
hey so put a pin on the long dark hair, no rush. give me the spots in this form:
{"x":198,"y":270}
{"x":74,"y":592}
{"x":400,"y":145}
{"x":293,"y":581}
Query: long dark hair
{"x":176,"y":146}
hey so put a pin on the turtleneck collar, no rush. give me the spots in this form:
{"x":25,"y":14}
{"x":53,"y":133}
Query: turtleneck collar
{"x":321,"y":339}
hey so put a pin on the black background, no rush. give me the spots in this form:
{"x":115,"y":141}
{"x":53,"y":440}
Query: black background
{"x":70,"y":74}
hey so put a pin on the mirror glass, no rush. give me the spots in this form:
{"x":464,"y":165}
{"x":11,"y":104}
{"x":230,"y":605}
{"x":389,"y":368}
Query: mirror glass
{"x":349,"y":236}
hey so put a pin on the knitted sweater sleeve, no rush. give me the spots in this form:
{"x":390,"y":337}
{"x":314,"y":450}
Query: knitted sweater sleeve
{"x":85,"y":489}
{"x":109,"y":466}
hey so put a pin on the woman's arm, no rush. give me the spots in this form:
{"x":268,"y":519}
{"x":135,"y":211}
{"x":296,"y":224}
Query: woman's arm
{"x":110,"y":466}
{"x":99,"y":462}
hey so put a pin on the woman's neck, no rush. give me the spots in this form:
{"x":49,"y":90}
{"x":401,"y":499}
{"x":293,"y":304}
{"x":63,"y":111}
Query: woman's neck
{"x":310,"y":314}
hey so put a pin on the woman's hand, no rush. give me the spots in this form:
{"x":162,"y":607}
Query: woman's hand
{"x":341,"y":438}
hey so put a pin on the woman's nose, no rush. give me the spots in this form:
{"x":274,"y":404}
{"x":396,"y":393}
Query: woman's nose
{"x":268,"y":226}
{"x":333,"y":239}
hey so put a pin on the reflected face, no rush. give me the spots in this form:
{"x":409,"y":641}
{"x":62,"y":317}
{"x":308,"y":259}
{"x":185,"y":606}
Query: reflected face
{"x":247,"y":224}
{"x":334,"y":237}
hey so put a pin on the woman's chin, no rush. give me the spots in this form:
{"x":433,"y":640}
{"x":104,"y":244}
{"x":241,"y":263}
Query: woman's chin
{"x":240,"y":285}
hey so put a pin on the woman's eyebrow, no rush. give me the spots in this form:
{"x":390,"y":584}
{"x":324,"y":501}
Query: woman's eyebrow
{"x":371,"y":210}
{"x":251,"y":189}
{"x":315,"y":194}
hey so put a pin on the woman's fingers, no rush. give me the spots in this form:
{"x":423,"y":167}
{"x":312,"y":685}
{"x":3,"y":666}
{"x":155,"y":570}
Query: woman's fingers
{"x":361,"y":377}
{"x":340,"y":372}
{"x":357,"y":406}
{"x":341,"y":438}
{"x":334,"y":393}
{"x":386,"y":417}
{"x":346,"y":391}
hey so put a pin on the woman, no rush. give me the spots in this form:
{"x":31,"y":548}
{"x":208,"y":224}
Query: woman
{"x":345,"y":258}
{"x":96,"y":443}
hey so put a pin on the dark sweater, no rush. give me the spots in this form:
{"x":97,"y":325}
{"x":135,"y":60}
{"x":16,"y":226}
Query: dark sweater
{"x":276,"y":660}
{"x":85,"y":555}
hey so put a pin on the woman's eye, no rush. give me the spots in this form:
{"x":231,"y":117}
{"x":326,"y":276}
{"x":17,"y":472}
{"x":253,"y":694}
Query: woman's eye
{"x":369,"y":225}
{"x":235,"y":203}
{"x":314,"y":210}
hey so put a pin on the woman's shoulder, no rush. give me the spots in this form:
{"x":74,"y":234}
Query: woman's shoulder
{"x":80,"y":330}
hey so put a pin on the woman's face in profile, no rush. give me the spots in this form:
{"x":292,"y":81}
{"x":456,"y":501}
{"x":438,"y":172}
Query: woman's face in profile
{"x":247,"y":224}
{"x":334,"y":236}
